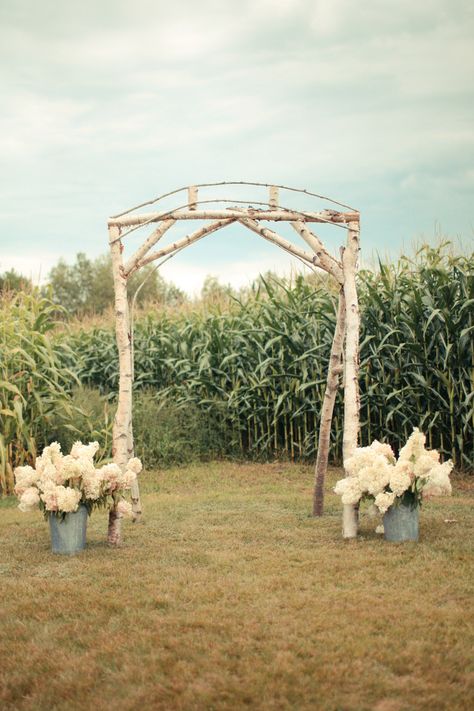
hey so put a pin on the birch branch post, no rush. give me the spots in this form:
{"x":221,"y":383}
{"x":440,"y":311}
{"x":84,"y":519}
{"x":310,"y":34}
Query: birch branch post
{"x":334,"y":370}
{"x":351,"y":366}
{"x":123,"y":415}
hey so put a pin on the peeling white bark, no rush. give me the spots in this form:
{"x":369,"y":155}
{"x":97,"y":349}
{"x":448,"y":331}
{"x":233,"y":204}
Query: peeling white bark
{"x":324,"y":260}
{"x":192,"y":197}
{"x":155,"y":236}
{"x":272,"y":236}
{"x":274,"y":197}
{"x":237,"y":182}
{"x":121,"y":442}
{"x":334,"y":371}
{"x":185,"y":242}
{"x":135,"y":490}
{"x":114,"y":531}
{"x":279,"y":215}
{"x":351,"y":365}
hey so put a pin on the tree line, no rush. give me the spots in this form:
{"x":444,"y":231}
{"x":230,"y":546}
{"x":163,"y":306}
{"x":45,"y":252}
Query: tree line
{"x":86,"y":286}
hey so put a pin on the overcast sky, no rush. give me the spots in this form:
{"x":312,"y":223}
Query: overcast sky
{"x":107,"y":103}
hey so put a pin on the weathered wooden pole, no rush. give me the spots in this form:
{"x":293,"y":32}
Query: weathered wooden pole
{"x":332,"y":386}
{"x":351,"y":365}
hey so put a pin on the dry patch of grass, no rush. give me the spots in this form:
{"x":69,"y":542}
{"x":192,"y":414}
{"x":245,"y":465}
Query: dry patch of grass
{"x":230,"y":596}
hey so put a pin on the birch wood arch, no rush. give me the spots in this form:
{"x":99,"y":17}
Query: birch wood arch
{"x":218,"y":213}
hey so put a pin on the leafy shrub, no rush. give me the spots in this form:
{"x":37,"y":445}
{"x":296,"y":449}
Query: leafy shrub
{"x":166,"y":433}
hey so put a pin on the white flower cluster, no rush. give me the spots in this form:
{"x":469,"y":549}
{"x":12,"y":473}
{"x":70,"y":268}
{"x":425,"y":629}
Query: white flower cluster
{"x":368,"y":471}
{"x":59,"y":483}
{"x":375,"y":474}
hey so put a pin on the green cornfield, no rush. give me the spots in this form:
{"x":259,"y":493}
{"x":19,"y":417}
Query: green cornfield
{"x":258,"y":368}
{"x":246,"y":378}
{"x":34,"y":382}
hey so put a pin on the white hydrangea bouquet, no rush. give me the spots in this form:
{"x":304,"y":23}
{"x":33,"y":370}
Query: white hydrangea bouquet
{"x":374,"y":474}
{"x":59,"y":484}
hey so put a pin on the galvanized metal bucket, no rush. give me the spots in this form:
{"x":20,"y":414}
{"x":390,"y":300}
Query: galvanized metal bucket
{"x":68,"y":535}
{"x":400,"y":523}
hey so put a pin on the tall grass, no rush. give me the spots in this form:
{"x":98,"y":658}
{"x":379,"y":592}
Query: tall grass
{"x":259,"y":368}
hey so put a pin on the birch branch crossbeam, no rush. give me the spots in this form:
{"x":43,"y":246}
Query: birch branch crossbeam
{"x":175,"y":246}
{"x":302,"y":191}
{"x":272,"y":236}
{"x":323,"y":259}
{"x":278,"y":215}
{"x":155,"y":236}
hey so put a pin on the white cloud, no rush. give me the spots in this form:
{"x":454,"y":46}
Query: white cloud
{"x":31,"y":124}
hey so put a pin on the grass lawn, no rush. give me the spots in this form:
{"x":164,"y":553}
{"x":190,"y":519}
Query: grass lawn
{"x":230,"y":596}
